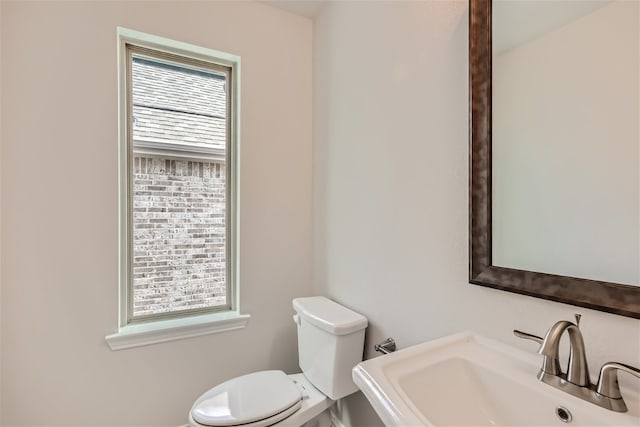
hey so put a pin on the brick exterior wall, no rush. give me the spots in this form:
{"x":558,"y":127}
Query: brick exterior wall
{"x":178,"y":234}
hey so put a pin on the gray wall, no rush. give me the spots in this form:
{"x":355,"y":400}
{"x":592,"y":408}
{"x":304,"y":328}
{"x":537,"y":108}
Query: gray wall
{"x":390,"y":187}
{"x":60,"y":234}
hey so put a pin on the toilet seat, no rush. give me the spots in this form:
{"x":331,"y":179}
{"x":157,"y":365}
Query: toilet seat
{"x":254,"y":400}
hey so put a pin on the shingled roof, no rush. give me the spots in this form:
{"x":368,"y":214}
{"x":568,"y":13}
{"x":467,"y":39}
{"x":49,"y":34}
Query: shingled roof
{"x":176,"y":105}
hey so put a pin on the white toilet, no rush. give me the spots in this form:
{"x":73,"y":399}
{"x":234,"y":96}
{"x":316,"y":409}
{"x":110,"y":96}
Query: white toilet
{"x":330,"y":344}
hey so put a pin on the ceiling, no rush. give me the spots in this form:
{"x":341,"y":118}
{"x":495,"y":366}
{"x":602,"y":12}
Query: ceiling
{"x":307,"y":8}
{"x":517,"y":22}
{"x":514,"y":22}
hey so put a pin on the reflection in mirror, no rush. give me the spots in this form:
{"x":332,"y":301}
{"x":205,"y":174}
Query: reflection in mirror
{"x":600,"y":112}
{"x":565,"y":142}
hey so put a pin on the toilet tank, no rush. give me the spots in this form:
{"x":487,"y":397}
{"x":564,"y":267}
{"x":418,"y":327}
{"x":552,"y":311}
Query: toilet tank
{"x":330,"y":344}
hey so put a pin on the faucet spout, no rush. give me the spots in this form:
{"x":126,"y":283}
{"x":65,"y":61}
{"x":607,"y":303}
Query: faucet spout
{"x":578,"y":371}
{"x":576,"y":381}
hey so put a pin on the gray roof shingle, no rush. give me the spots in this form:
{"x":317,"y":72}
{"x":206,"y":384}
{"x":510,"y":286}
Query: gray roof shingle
{"x":178,"y":105}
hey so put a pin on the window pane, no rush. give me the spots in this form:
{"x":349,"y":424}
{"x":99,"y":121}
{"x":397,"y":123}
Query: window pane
{"x":179,"y":141}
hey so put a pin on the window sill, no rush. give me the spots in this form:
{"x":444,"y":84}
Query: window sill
{"x":175,"y":329}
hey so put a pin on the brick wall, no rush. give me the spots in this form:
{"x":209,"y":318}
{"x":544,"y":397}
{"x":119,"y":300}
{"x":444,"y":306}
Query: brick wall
{"x":178,"y":234}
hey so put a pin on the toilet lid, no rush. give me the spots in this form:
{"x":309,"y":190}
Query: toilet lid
{"x":246,"y":399}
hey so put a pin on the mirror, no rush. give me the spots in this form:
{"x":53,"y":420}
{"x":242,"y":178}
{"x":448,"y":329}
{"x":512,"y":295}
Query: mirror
{"x":500,"y":245}
{"x":565,"y":138}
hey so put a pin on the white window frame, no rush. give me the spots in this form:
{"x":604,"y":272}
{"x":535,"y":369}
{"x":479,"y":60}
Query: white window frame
{"x":171,"y":327}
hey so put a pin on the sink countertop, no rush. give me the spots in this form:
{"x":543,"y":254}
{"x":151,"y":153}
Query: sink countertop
{"x":467,"y":379}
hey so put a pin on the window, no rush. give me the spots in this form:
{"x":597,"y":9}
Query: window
{"x":178,"y":183}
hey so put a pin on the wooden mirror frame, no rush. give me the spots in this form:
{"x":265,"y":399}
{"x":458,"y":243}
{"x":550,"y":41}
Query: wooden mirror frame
{"x":605,"y":296}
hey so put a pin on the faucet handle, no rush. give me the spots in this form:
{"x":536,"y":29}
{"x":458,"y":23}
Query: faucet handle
{"x":527,"y":336}
{"x":577,"y":316}
{"x":550,"y":362}
{"x":608,"y":381}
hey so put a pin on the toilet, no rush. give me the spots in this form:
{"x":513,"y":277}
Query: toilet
{"x":330,"y":344}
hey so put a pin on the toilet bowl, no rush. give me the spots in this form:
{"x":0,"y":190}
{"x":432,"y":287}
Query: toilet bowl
{"x":330,"y":344}
{"x":260,"y":399}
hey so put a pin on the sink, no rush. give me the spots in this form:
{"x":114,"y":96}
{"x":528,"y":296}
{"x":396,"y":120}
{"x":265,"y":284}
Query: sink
{"x":466,"y":379}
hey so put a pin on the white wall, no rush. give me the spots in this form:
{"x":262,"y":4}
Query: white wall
{"x":390,"y":187}
{"x":566,"y":149}
{"x":59,"y":229}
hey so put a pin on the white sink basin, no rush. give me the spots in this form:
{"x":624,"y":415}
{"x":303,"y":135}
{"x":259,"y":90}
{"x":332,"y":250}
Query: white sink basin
{"x":465,"y":380}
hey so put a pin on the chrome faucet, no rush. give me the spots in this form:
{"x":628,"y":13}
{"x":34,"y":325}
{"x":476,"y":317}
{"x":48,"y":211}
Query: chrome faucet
{"x":577,"y":372}
{"x":576,"y":380}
